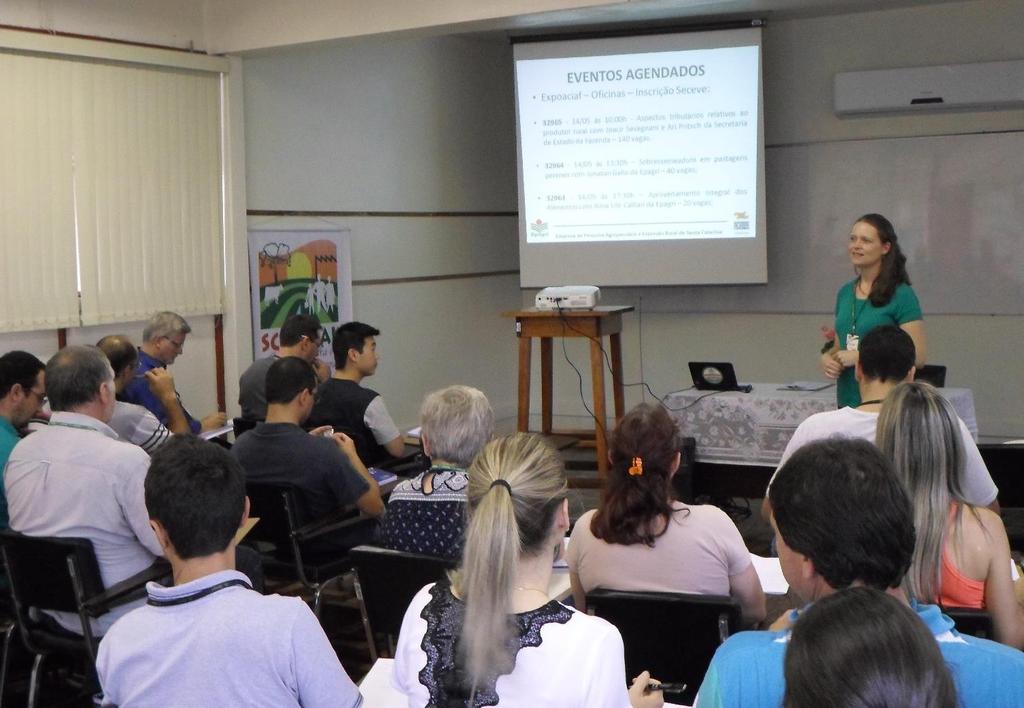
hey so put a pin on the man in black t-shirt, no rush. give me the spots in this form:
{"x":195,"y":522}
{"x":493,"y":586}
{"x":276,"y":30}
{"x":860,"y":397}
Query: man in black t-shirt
{"x":326,"y":470}
{"x":345,"y":405}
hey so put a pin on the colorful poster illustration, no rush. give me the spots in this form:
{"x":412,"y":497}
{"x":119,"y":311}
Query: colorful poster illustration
{"x":298,"y":273}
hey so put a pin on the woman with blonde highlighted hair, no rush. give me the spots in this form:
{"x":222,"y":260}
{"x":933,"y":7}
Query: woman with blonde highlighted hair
{"x":489,"y":635}
{"x":962,"y":555}
{"x":640,"y":539}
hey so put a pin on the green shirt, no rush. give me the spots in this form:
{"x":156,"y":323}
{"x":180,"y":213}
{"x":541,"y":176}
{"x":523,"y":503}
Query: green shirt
{"x":855,"y":316}
{"x":8,"y":439}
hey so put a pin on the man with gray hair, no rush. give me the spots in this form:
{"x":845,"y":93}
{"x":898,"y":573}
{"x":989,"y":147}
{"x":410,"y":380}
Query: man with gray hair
{"x":163,"y":340}
{"x":76,"y":478}
{"x":133,"y":422}
{"x":426,"y":514}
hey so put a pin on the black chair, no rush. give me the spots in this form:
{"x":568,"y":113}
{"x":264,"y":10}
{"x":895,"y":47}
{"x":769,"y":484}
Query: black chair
{"x":386,"y":581}
{"x":243,"y":425}
{"x":62,"y":575}
{"x":968,"y":620}
{"x":280,"y":526}
{"x":933,"y":374}
{"x":672,"y":635}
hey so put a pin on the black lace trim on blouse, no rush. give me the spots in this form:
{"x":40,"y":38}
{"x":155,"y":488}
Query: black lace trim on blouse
{"x":451,"y":478}
{"x":444,"y":680}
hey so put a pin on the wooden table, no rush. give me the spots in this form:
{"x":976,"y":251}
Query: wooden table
{"x":594,"y":325}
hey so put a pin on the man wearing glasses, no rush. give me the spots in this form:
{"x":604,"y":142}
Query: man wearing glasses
{"x":163,"y":340}
{"x":22,"y":393}
{"x":301,"y":336}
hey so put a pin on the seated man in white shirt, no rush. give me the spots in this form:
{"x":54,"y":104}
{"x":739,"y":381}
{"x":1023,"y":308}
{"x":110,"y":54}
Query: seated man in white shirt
{"x":74,"y":477}
{"x":210,"y":639}
{"x":886,"y":360}
{"x":133,"y":422}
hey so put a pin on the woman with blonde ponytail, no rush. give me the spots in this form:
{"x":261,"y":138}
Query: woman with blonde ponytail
{"x":962,"y":554}
{"x":489,"y":635}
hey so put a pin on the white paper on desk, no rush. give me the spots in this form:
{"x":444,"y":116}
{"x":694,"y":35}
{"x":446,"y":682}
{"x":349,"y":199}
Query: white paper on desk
{"x":1014,"y":573}
{"x":806,"y":386}
{"x":414,"y":432}
{"x":560,"y":562}
{"x":377,"y":689}
{"x":769,"y":570}
{"x":216,"y":432}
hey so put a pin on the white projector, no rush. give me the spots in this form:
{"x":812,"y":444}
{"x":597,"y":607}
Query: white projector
{"x":568,"y":297}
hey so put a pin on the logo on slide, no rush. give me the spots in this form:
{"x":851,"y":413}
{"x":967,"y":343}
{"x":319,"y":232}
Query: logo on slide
{"x":539,"y":228}
{"x":741,"y":222}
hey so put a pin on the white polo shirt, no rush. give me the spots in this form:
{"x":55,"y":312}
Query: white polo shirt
{"x":216,"y":642}
{"x":76,"y":478}
{"x":979,"y":489}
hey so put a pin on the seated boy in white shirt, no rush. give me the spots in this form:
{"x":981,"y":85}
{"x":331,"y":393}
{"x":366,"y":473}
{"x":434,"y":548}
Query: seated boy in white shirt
{"x":210,"y":639}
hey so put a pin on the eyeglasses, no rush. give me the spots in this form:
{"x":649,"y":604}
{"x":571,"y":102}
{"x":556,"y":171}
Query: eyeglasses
{"x":40,"y":396}
{"x":315,"y":342}
{"x":177,"y":345}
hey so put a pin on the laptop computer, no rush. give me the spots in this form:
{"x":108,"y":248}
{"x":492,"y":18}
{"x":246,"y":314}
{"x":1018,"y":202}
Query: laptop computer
{"x":715,"y":376}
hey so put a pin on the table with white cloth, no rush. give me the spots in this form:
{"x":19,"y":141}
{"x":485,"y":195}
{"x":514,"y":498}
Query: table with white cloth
{"x":737,"y":428}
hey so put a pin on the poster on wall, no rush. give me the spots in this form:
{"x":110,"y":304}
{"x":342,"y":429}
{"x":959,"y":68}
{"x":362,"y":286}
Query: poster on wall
{"x":298,"y":273}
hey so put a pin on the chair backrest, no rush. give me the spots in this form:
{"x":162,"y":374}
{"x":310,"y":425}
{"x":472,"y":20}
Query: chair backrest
{"x":276,"y":507}
{"x":933,"y":374}
{"x":1006,"y":465}
{"x":39,"y":574}
{"x":672,"y":635}
{"x":968,"y":620}
{"x":388,"y":580}
{"x":242,"y":425}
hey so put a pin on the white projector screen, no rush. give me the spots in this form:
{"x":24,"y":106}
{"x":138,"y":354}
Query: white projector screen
{"x":641,"y":160}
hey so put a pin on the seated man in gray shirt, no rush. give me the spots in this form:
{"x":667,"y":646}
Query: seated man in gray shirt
{"x":301,"y":336}
{"x":210,"y":639}
{"x":75,"y":477}
{"x":326,"y":471}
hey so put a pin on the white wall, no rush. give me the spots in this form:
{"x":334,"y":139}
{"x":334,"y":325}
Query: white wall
{"x":801,"y":56}
{"x":308,"y":111}
{"x":368,"y":125}
{"x":171,"y":24}
{"x":409,"y":125}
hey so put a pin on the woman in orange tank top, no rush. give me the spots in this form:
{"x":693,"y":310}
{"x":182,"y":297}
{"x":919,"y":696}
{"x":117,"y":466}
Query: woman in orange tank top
{"x":962,"y":555}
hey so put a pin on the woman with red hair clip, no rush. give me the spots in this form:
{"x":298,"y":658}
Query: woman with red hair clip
{"x":640,"y":539}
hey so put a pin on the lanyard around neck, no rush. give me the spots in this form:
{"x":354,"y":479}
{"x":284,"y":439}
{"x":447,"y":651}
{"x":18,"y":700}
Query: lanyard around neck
{"x":75,"y":425}
{"x":853,"y":308}
{"x":171,"y":601}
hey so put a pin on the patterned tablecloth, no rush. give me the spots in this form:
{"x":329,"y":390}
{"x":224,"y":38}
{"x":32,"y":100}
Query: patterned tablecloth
{"x":754,"y":428}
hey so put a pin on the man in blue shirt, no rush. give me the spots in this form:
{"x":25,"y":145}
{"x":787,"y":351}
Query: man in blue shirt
{"x":163,"y":340}
{"x":842,"y":519}
{"x":210,"y":639}
{"x":22,"y":393}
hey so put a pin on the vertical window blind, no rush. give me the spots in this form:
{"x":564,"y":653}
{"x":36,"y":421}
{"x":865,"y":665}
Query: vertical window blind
{"x":38,"y":286}
{"x":111,"y":201}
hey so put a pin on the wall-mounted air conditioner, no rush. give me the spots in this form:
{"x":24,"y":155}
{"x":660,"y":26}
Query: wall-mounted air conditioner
{"x":986,"y":85}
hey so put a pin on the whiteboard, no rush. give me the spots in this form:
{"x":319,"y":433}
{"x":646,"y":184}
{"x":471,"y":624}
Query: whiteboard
{"x":957,"y":202}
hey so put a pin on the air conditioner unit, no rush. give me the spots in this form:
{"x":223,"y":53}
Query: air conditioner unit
{"x":994,"y":84}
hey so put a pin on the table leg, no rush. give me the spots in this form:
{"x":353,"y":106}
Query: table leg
{"x":600,"y":417}
{"x":525,"y":347}
{"x":617,"y":392}
{"x":545,"y":385}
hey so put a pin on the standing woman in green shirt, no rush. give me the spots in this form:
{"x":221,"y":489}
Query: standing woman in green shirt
{"x":879,"y":295}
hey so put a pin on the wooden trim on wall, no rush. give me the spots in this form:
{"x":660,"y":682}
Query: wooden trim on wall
{"x":218,"y":346}
{"x":429,"y":278}
{"x":62,"y":337}
{"x":385,"y":214}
